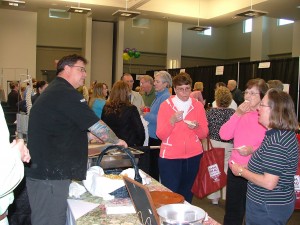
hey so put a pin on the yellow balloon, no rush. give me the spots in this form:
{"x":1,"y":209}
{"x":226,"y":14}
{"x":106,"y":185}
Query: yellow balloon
{"x":126,"y":56}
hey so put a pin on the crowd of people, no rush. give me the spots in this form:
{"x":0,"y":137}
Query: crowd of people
{"x":256,"y":128}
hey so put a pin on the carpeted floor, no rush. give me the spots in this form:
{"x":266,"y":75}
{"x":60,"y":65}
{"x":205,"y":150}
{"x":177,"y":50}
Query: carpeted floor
{"x":217,"y":211}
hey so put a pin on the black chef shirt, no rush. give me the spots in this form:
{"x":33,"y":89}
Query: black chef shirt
{"x":57,"y":133}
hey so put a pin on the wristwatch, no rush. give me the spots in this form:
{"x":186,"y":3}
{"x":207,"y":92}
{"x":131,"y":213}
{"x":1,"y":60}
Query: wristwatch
{"x":240,"y":173}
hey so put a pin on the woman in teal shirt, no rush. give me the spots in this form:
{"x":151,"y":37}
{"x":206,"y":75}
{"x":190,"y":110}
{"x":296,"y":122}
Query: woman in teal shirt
{"x":97,"y":102}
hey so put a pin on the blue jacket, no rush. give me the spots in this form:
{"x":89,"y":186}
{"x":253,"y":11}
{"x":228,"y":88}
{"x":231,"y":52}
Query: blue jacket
{"x":151,"y":117}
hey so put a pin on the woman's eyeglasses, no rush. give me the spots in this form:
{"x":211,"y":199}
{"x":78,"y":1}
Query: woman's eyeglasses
{"x":263,"y":105}
{"x":250,"y":93}
{"x":180,"y":89}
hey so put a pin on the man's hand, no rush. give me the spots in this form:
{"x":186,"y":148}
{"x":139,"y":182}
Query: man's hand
{"x":122,"y":143}
{"x":20,"y":146}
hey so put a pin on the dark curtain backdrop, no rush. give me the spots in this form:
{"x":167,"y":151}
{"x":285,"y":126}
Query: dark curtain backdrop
{"x":245,"y":74}
{"x":286,"y":70}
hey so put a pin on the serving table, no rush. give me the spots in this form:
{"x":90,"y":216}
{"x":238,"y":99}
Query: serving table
{"x":96,"y":215}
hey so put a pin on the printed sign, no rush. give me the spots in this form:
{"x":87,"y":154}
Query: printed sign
{"x":219,"y":70}
{"x":214,"y":172}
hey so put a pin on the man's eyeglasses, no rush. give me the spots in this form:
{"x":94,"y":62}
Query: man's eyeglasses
{"x":250,"y":93}
{"x":82,"y":69}
{"x":263,"y":105}
{"x":180,"y":89}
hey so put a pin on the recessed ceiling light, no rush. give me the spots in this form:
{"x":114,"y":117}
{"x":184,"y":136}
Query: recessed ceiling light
{"x":13,"y":3}
{"x":79,"y":10}
{"x":126,"y":13}
{"x":198,"y":28}
{"x":252,"y":13}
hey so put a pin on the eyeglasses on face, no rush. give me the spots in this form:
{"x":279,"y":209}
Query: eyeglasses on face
{"x":250,"y":93}
{"x":82,"y":69}
{"x":263,"y":105}
{"x":180,"y":89}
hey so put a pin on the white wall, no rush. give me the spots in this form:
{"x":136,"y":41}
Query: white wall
{"x":198,"y":45}
{"x":152,"y":39}
{"x":238,"y":43}
{"x":18,"y":31}
{"x":102,"y":52}
{"x":281,"y":38}
{"x":60,"y":32}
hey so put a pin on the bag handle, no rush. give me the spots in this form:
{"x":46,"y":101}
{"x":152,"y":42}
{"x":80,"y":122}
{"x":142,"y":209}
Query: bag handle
{"x":209,"y":145}
{"x":137,"y":176}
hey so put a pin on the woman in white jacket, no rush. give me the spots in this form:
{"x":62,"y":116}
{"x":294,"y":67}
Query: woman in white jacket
{"x":11,"y":167}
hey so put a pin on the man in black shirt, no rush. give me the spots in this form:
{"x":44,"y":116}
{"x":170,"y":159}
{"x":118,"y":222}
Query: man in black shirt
{"x":237,"y":94}
{"x":58,"y":142}
{"x":14,"y":96}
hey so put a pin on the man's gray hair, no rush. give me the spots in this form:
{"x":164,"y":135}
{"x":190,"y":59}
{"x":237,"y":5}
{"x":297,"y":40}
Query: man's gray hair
{"x":147,"y":78}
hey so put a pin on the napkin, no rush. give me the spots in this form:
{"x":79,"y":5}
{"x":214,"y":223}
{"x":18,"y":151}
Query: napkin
{"x":76,"y":190}
{"x":101,"y":186}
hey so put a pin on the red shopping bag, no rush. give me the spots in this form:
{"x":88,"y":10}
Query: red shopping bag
{"x":297,"y":180}
{"x":211,"y":176}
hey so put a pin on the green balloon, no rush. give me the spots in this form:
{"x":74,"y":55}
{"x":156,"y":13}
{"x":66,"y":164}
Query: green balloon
{"x":130,"y":53}
{"x":137,"y":54}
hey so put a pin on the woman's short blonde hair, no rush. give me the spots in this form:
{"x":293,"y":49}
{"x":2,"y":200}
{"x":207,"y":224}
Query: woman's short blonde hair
{"x":198,"y":86}
{"x":223,"y":97}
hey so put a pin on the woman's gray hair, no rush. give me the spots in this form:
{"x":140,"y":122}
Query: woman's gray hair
{"x":165,"y":77}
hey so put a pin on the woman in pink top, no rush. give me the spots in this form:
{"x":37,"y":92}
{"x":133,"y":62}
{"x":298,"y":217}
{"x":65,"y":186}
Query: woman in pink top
{"x":247,"y":136}
{"x":181,"y":124}
{"x":197,"y":92}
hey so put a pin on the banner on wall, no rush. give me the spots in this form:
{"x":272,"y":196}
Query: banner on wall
{"x":138,"y":76}
{"x":264,"y":65}
{"x":286,"y":88}
{"x":219,"y":70}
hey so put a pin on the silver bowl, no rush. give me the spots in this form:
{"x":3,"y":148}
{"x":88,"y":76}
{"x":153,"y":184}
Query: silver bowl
{"x":180,"y":214}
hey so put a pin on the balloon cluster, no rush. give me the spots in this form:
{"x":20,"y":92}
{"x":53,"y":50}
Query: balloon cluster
{"x":130,"y":53}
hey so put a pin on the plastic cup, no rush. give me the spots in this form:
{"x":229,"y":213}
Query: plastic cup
{"x":146,"y":109}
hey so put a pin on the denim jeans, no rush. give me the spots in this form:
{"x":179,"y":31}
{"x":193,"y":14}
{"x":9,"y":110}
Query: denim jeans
{"x":257,"y":214}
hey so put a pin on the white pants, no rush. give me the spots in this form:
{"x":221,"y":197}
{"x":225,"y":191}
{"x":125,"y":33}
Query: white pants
{"x":228,"y":149}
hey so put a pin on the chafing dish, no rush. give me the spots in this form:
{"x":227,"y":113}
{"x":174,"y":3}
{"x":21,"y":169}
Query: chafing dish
{"x":113,"y":159}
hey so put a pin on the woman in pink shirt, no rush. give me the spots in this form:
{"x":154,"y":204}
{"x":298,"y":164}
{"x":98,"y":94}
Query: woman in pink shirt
{"x":181,"y":124}
{"x":247,"y":136}
{"x":197,"y":92}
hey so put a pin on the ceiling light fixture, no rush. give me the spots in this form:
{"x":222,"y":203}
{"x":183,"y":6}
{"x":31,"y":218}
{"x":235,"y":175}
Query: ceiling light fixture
{"x":252,"y":13}
{"x":198,"y":28}
{"x":125,"y":13}
{"x":78,"y":9}
{"x":13,"y":3}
